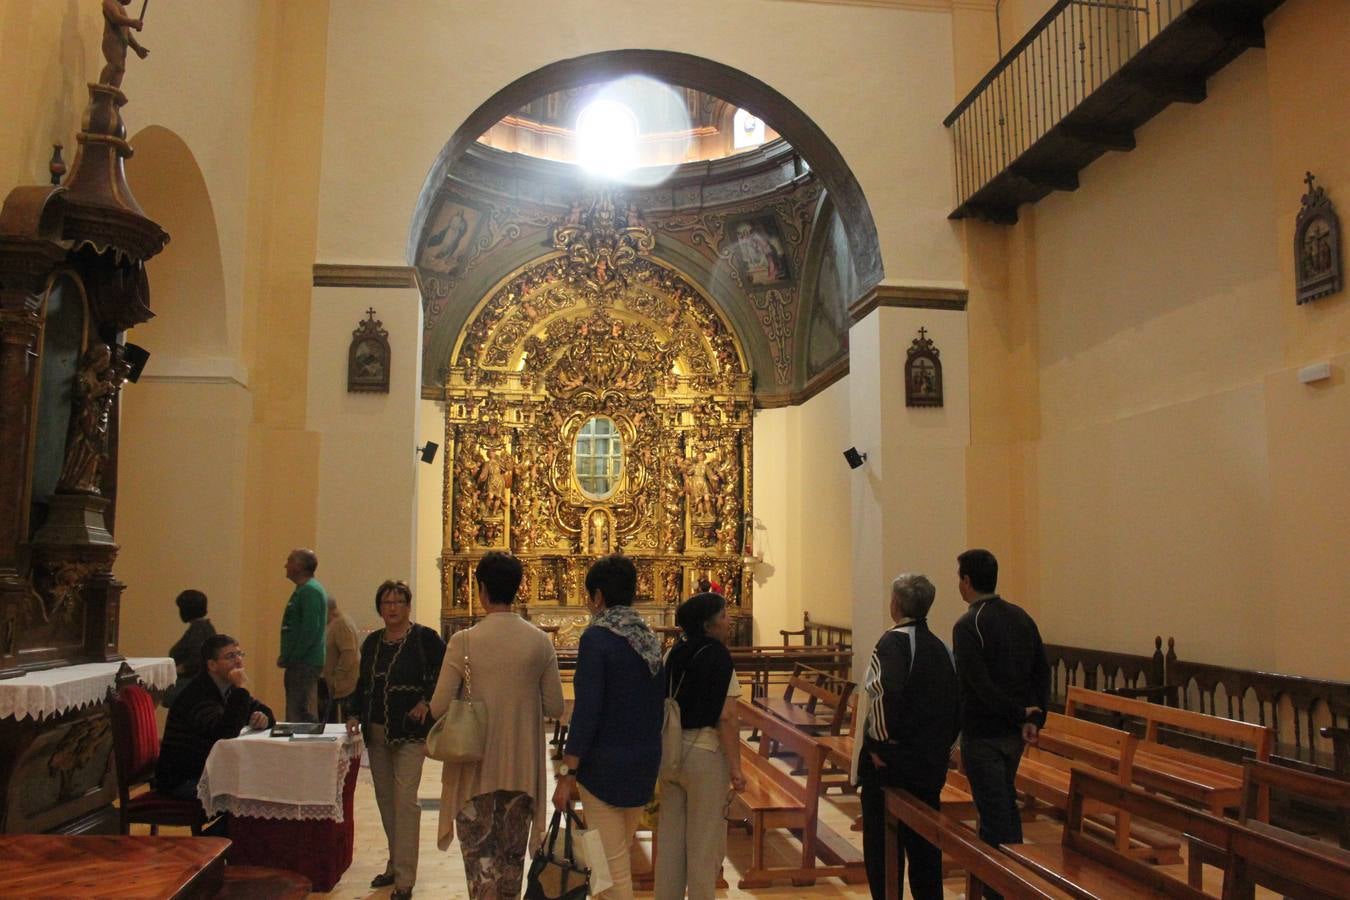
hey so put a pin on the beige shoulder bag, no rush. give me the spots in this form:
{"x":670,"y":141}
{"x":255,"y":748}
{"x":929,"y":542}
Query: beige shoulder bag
{"x":460,"y":736}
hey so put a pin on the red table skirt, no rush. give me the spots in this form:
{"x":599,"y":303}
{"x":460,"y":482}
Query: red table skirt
{"x":319,"y":849}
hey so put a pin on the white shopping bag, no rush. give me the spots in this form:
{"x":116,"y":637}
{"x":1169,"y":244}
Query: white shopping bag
{"x":590,"y":854}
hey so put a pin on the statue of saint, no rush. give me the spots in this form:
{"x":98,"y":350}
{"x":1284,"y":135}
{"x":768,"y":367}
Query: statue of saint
{"x":87,"y":441}
{"x":117,"y":37}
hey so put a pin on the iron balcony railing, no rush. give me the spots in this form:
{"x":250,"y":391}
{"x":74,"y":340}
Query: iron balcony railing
{"x":1075,"y":47}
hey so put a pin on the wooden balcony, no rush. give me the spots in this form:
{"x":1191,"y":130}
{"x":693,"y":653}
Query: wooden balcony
{"x":1079,"y":83}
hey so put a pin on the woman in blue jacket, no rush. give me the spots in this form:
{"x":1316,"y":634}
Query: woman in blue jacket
{"x":614,"y":743}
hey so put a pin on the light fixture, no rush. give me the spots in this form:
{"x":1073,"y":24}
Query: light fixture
{"x":427,"y":451}
{"x":855,"y":459}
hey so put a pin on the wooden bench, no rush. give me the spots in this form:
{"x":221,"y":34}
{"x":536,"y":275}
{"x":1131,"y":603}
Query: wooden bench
{"x":1065,"y":744}
{"x":773,"y":799}
{"x":1087,"y":866}
{"x":813,"y":701}
{"x":985,"y":867}
{"x":1211,"y":783}
{"x":1259,"y":779}
{"x":124,"y":866}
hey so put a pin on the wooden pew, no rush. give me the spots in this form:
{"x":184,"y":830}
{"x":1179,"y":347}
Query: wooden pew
{"x":813,"y":701}
{"x":1258,"y":781}
{"x":1088,"y":867}
{"x":1065,"y":744}
{"x":985,"y":866}
{"x":1258,"y":858}
{"x":774,"y":799}
{"x":1212,"y":783}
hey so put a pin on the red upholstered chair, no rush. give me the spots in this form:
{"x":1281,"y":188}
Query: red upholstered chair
{"x":135,"y":751}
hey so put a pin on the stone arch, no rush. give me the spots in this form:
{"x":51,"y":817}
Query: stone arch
{"x":189,"y":298}
{"x":687,"y":70}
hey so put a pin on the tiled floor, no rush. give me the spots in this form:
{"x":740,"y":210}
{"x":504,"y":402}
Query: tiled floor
{"x":441,"y":875}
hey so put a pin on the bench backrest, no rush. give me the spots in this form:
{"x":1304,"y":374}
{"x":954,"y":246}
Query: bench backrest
{"x":1256,"y":858}
{"x":1086,"y":786}
{"x":820,"y":687}
{"x":961,"y":846}
{"x":1102,"y":746}
{"x":1259,"y":777}
{"x":773,"y":731}
{"x":1258,"y":737}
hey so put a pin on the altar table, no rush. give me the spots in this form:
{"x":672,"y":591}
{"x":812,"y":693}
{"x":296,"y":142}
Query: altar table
{"x":290,"y":801}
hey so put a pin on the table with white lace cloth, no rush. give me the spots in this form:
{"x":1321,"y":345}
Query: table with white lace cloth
{"x":51,"y":692}
{"x":278,"y":778}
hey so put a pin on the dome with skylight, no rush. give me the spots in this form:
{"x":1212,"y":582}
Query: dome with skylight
{"x":633,"y":128}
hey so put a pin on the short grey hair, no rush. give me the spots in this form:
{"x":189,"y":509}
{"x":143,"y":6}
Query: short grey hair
{"x":332,"y":603}
{"x":914,"y":593}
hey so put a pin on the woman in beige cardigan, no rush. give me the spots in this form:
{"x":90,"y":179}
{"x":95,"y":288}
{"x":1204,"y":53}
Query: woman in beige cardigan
{"x":512,"y":668}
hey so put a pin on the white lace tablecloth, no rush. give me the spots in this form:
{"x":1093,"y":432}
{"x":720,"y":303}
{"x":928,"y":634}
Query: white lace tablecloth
{"x":55,"y":691}
{"x":278,"y":778}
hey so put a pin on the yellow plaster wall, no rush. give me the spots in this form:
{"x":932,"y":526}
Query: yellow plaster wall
{"x":399,"y":92}
{"x":1150,"y":461}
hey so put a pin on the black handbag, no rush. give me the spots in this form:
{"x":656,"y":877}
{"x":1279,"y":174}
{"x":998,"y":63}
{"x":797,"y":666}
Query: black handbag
{"x":552,"y":878}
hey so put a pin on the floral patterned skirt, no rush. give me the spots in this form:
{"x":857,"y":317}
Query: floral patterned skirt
{"x":494,"y":833}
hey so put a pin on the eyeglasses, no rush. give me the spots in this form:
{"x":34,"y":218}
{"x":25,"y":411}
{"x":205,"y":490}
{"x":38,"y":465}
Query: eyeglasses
{"x":234,"y":654}
{"x":394,"y":602}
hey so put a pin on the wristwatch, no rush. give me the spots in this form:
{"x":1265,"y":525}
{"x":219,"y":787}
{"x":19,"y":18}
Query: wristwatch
{"x":565,"y":771}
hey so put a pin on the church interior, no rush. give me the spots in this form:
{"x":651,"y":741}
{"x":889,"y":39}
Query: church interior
{"x":785,"y":296}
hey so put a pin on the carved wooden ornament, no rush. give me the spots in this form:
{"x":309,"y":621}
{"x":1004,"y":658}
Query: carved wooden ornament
{"x":1317,"y":246}
{"x":923,"y":372}
{"x":368,"y":357}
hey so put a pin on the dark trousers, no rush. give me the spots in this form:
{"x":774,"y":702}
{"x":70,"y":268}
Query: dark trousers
{"x":925,"y":860}
{"x":991,"y":769}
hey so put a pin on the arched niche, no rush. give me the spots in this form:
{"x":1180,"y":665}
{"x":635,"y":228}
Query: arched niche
{"x":192,"y":318}
{"x":718,"y":79}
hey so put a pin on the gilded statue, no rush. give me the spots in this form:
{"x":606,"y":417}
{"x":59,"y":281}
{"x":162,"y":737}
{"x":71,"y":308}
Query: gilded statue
{"x":702,"y":482}
{"x":117,"y":37}
{"x":96,"y":385}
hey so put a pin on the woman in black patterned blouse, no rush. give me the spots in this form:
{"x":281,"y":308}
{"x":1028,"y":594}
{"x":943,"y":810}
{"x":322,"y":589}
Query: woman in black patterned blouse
{"x":391,"y":704}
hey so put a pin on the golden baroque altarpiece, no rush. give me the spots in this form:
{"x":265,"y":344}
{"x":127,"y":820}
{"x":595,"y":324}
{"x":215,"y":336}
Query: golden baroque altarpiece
{"x":597,"y":402}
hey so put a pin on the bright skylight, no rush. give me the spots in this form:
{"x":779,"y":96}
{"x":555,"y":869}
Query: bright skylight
{"x":607,"y":138}
{"x":747,"y":130}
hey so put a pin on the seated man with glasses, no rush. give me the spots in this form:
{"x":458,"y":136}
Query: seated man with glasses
{"x":213,"y":706}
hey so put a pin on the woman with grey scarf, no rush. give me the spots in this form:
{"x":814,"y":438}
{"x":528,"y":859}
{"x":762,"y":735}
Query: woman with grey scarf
{"x":613,"y":748}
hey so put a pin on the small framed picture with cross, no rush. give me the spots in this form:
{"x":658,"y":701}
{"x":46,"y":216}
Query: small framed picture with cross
{"x":368,"y":357}
{"x":923,"y":372}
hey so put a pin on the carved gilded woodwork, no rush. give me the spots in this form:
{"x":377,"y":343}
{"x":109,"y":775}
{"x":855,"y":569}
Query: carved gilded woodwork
{"x":597,"y":332}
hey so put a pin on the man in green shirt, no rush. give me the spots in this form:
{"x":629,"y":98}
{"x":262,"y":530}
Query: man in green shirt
{"x":302,"y":637}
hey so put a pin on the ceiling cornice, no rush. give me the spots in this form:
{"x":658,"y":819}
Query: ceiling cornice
{"x":899,"y":295}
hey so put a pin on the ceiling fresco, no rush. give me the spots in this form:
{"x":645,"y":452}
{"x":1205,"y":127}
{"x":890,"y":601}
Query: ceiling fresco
{"x":751,"y":232}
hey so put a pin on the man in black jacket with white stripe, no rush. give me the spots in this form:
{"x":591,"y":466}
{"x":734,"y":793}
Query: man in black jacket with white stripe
{"x":910,"y":716}
{"x":1005,"y":689}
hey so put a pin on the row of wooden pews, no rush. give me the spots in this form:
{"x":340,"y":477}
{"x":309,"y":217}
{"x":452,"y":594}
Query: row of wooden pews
{"x":1087,"y":864}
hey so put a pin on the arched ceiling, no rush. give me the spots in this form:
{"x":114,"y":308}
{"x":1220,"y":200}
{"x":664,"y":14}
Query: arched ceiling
{"x":739,"y":228}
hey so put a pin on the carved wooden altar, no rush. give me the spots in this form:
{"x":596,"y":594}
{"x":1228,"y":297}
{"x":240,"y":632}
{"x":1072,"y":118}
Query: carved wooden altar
{"x":72,"y":281}
{"x":597,"y":402}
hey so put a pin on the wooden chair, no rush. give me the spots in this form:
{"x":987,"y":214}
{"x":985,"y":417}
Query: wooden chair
{"x":135,"y":753}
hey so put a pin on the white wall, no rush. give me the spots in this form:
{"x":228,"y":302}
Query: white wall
{"x":367,"y":467}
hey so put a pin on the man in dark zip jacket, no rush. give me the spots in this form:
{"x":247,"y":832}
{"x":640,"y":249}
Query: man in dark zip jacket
{"x":1005,"y":689}
{"x":910,"y":714}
